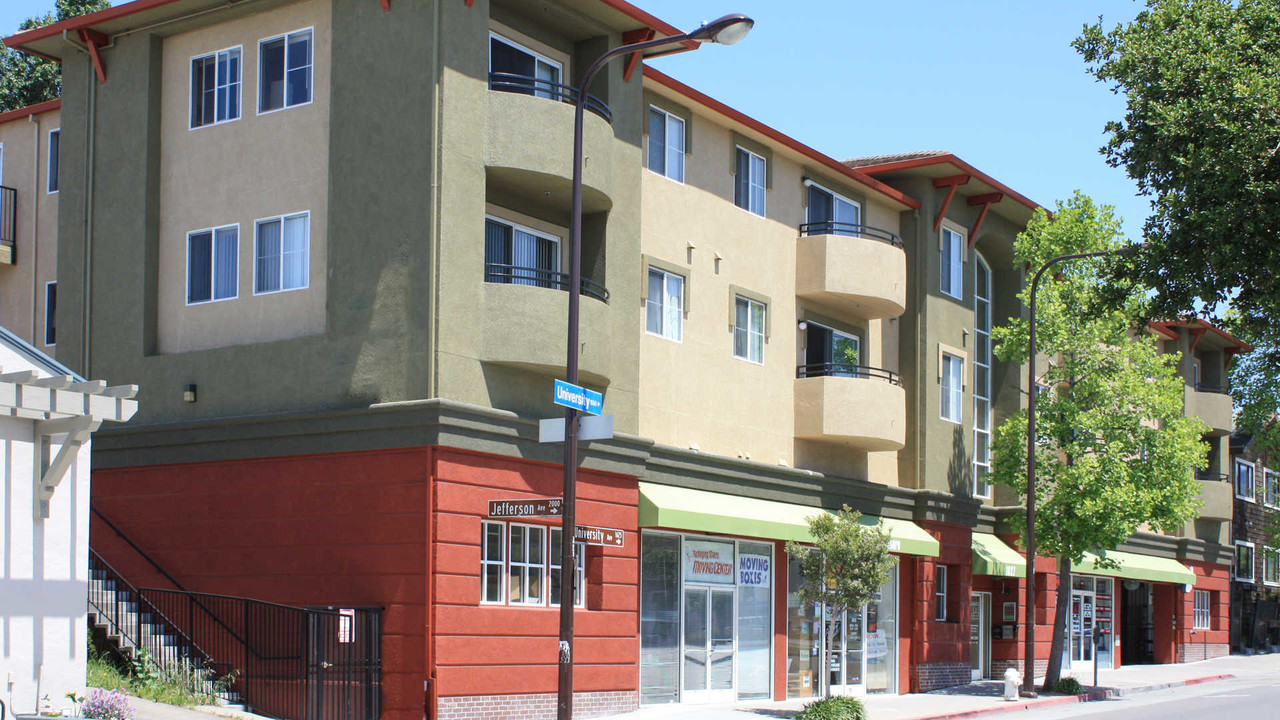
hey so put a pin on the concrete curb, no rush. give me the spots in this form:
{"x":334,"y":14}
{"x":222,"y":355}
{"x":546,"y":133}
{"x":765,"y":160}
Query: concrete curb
{"x":1091,"y":696}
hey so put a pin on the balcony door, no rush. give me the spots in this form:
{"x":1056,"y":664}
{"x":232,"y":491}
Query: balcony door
{"x":514,"y":68}
{"x":831,"y":214}
{"x":830,"y":352}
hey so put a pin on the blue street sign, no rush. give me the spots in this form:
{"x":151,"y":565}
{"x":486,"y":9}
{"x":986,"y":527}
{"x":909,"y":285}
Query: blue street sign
{"x":578,"y":398}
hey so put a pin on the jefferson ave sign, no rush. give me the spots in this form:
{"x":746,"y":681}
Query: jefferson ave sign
{"x":536,"y":507}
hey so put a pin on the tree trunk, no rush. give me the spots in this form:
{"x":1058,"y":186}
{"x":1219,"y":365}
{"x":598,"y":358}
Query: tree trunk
{"x":829,"y":632}
{"x":1054,"y":671}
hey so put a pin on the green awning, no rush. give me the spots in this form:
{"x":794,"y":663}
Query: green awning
{"x":991,"y":556}
{"x":1138,"y":567}
{"x":678,"y":508}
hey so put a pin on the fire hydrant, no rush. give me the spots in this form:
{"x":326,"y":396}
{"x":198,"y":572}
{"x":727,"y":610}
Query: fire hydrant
{"x":1012,"y":681}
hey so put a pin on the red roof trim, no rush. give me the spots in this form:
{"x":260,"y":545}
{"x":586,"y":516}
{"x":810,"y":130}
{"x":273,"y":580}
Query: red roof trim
{"x":84,"y":21}
{"x":29,"y":110}
{"x":956,"y":162}
{"x":1167,"y":328}
{"x":796,"y":145}
{"x":646,"y":19}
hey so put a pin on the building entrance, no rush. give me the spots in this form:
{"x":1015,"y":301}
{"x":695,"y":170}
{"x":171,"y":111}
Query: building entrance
{"x":708,"y":644}
{"x":1138,"y":624}
{"x":980,"y":635}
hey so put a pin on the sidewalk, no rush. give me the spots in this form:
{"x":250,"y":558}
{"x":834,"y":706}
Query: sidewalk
{"x":984,"y":698}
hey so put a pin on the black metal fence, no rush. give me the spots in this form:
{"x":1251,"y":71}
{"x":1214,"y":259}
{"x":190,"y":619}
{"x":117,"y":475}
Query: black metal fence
{"x":1219,"y":389}
{"x":8,"y":216}
{"x":519,"y":275}
{"x":1208,"y":476}
{"x":830,"y":227}
{"x":526,"y":85}
{"x":835,"y":369}
{"x":284,"y":661}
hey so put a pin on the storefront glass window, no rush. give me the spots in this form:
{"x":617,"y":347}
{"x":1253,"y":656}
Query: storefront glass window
{"x":755,"y":580}
{"x":804,"y":640}
{"x":659,"y":618}
{"x":882,"y":635}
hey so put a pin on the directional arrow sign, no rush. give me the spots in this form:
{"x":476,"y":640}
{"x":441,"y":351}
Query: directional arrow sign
{"x":598,"y":536}
{"x":590,"y":427}
{"x":578,"y":398}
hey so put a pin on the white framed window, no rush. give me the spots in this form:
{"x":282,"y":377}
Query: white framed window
{"x":216,"y":87}
{"x":213,"y":264}
{"x":493,"y":555}
{"x":1246,"y":485}
{"x":666,"y":143}
{"x":281,"y":253}
{"x":829,"y":213}
{"x":1270,"y":566}
{"x":748,"y":330}
{"x":1243,"y":570}
{"x":50,"y":313}
{"x":518,"y":69}
{"x":952,"y":267}
{"x":1270,"y":487}
{"x":519,"y":255}
{"x":579,"y":570}
{"x":749,"y":181}
{"x":664,"y":308}
{"x":981,"y":377}
{"x":526,"y":564}
{"x":952,"y":387}
{"x":285,"y":67}
{"x":55,"y":153}
{"x":1202,"y":615}
{"x":940,"y":593}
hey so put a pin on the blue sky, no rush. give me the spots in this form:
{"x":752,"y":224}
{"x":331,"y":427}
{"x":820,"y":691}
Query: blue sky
{"x":995,"y":82}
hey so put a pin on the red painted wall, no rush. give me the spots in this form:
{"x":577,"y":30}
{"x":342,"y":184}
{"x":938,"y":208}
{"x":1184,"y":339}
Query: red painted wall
{"x":343,"y":529}
{"x":494,"y":649}
{"x":946,"y":641}
{"x":1217,"y":580}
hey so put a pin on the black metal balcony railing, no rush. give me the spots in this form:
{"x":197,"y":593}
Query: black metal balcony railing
{"x":829,"y":227}
{"x":835,"y":369}
{"x":1208,"y":476}
{"x":525,"y":85}
{"x":518,"y":275}
{"x":8,"y":215}
{"x":1219,"y":389}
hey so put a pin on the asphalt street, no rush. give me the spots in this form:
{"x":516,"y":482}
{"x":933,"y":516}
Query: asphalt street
{"x":1256,"y":696}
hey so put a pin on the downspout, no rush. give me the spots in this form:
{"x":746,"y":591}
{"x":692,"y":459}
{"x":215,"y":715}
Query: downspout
{"x":35,"y":228}
{"x":86,"y":274}
{"x":433,"y":239}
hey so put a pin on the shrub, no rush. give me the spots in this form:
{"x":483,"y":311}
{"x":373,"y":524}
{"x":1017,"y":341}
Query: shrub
{"x":1068,"y":686}
{"x":833,"y":708}
{"x":107,"y":705}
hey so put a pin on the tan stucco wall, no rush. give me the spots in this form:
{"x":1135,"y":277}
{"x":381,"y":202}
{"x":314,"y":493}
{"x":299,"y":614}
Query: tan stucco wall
{"x":267,"y":165}
{"x":26,"y":167}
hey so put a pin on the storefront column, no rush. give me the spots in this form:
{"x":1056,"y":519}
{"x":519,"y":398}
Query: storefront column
{"x":780,"y":566}
{"x":1164,"y":605}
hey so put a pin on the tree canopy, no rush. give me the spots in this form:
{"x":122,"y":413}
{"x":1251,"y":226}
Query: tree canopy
{"x":1114,"y":451}
{"x":1200,"y":135}
{"x":26,"y":79}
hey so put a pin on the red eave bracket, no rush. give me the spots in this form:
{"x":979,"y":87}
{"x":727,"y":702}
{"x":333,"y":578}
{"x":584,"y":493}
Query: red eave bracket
{"x":986,"y":201}
{"x":633,"y":60}
{"x":386,"y":5}
{"x":1228,"y":354}
{"x":1196,"y":333}
{"x":952,"y":183}
{"x":468,"y":2}
{"x":94,"y":40}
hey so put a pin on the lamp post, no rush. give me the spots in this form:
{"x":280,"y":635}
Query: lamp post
{"x":1029,"y":630}
{"x":726,"y":31}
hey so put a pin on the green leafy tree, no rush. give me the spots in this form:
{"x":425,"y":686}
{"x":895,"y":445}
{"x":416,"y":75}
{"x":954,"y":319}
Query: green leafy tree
{"x":843,"y":569}
{"x":1114,"y":451}
{"x":27,"y":79}
{"x":1201,"y":136}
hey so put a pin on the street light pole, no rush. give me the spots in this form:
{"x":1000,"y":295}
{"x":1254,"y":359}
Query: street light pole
{"x":726,"y":31}
{"x":1029,"y":629}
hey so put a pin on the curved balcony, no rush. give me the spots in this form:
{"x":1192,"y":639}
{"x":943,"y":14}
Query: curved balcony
{"x":524,"y":323}
{"x":529,"y":150}
{"x":525,"y":85}
{"x":863,"y":407}
{"x":1216,"y":496}
{"x":852,"y":269}
{"x":1212,"y":404}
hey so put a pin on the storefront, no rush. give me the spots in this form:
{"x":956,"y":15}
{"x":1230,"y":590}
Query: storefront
{"x":993,"y":606}
{"x":720,"y":619}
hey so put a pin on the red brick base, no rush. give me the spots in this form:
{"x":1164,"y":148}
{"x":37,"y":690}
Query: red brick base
{"x":534,"y":706}
{"x":999,"y":666}
{"x":933,"y":676}
{"x":1191,"y":652}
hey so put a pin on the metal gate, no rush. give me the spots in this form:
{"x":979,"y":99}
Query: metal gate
{"x":344,"y":664}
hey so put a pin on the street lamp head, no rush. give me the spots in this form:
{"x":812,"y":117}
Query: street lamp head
{"x":726,"y":30}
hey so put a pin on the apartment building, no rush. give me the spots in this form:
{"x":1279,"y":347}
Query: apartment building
{"x":30,"y":143}
{"x":331,"y":234}
{"x":1254,"y":491}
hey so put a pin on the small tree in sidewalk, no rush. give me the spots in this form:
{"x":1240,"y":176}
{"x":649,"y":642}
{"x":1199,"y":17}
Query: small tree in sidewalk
{"x":843,"y":569}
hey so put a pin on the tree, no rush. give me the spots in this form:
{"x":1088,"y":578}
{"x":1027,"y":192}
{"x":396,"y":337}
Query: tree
{"x":1201,"y":136}
{"x":843,"y":569}
{"x":1114,"y":451}
{"x":27,"y":79}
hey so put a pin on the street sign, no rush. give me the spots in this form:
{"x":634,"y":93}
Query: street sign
{"x":535,"y":507}
{"x":590,"y":427}
{"x":598,"y":535}
{"x":578,"y":398}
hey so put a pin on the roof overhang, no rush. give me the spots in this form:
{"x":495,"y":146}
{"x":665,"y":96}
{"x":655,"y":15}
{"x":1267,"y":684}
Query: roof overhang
{"x":1209,"y":335}
{"x":1014,"y":206}
{"x":36,"y":109}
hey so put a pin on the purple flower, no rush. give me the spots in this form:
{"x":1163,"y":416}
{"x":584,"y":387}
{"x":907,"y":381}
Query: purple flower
{"x":107,"y":705}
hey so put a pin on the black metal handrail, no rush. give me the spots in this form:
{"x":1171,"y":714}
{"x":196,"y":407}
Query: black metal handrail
{"x":525,"y":85}
{"x":829,"y":227}
{"x":1217,"y":389}
{"x":8,"y":215}
{"x":1211,"y":476}
{"x":835,"y":369}
{"x":520,"y":275}
{"x":141,"y":553}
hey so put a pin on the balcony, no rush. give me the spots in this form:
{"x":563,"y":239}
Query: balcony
{"x":1216,"y":495}
{"x":1212,"y":404}
{"x":856,"y":405}
{"x":523,"y":322}
{"x":8,"y":225}
{"x":525,"y":85}
{"x":852,"y":269}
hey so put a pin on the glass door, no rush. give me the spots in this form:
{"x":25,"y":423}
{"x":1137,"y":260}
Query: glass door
{"x":1081,"y":630}
{"x":979,"y":635}
{"x":708,"y":644}
{"x":847,"y":671}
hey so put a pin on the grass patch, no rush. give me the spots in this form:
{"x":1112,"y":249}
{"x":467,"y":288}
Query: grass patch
{"x":142,"y":678}
{"x":1068,"y":686}
{"x":833,"y":708}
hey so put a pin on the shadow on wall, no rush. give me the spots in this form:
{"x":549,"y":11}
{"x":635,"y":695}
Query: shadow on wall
{"x":959,"y":470}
